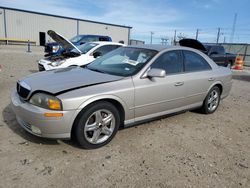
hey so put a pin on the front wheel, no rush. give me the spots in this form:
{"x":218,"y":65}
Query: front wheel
{"x":212,"y":101}
{"x":97,"y":125}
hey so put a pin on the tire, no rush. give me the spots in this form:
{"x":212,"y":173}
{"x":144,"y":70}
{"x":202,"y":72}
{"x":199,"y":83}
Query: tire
{"x":210,"y":105}
{"x":230,"y":64}
{"x":97,"y":125}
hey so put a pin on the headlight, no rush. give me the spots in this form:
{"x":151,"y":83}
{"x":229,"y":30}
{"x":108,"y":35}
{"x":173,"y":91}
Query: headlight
{"x":55,"y":48}
{"x":46,"y":101}
{"x":57,"y":63}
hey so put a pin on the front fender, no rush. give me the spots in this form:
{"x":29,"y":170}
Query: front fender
{"x":103,"y":97}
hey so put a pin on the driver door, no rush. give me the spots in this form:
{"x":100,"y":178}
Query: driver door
{"x":154,"y":96}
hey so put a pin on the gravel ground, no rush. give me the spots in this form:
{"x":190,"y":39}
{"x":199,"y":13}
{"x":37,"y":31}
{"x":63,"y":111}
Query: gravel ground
{"x":186,"y":150}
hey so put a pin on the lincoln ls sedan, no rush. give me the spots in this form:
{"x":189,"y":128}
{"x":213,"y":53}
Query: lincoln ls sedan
{"x":128,"y":85}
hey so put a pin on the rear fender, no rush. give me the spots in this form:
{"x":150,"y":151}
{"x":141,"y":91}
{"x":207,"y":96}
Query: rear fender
{"x":215,"y":83}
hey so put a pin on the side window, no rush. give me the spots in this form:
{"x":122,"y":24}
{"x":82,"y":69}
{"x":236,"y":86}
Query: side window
{"x":115,"y":47}
{"x":194,"y":62}
{"x":221,"y":50}
{"x":170,"y":62}
{"x":103,"y":39}
{"x":105,"y":49}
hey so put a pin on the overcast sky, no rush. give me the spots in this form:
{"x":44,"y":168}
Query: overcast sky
{"x":159,"y":16}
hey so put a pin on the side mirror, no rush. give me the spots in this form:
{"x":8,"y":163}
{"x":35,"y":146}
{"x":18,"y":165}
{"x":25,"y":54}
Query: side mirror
{"x":97,"y":54}
{"x":160,"y":73}
{"x":82,"y":43}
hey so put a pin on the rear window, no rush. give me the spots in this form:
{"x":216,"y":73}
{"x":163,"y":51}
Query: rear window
{"x":104,"y":39}
{"x":215,"y":49}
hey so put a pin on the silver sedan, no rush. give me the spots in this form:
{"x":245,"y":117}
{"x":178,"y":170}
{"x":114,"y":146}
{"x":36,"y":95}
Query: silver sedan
{"x":129,"y":85}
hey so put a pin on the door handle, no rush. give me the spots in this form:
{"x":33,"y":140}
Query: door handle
{"x":179,"y":83}
{"x":211,"y":79}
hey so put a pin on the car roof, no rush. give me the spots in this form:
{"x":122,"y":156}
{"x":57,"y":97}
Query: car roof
{"x":93,"y":36}
{"x":107,"y":42}
{"x":156,"y":47}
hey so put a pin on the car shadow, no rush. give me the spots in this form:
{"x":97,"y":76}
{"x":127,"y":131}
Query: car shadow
{"x":33,"y":71}
{"x":10,"y":120}
{"x":242,"y":77}
{"x":139,"y":123}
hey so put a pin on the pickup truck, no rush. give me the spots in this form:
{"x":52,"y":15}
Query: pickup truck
{"x":54,"y":48}
{"x":215,"y":52}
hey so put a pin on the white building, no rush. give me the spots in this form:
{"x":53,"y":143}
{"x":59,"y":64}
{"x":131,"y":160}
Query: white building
{"x":27,"y":25}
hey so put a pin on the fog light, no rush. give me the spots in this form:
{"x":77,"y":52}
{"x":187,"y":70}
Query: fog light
{"x":35,"y":130}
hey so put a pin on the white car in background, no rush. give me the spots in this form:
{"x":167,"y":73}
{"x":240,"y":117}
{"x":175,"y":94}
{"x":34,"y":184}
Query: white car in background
{"x":75,"y":56}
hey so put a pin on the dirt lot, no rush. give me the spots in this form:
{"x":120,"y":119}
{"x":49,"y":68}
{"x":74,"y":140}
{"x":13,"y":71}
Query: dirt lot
{"x":185,"y":150}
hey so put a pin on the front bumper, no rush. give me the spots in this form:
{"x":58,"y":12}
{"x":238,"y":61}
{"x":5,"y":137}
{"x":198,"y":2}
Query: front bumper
{"x":32,"y":118}
{"x":42,"y":66}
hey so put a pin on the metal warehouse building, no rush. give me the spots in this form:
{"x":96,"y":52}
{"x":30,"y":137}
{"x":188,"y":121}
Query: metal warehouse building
{"x":24,"y":25}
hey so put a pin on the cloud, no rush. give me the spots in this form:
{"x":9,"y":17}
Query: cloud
{"x":141,"y":15}
{"x":144,"y":16}
{"x":205,"y":4}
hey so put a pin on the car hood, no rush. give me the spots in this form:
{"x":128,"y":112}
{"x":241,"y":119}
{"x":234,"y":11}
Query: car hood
{"x":192,"y":43}
{"x":65,"y":43}
{"x":67,"y":79}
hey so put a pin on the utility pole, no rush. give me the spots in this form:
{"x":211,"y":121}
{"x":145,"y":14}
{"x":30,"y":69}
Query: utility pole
{"x":174,"y":37}
{"x":197,"y":33}
{"x":218,"y":35}
{"x":151,"y":36}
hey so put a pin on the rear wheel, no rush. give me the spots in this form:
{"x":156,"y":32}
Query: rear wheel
{"x":212,"y":101}
{"x":97,"y":125}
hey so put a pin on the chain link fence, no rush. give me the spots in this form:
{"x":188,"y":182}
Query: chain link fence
{"x":241,"y":49}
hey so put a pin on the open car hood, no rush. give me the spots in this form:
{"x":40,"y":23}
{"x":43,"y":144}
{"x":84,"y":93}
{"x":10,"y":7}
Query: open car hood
{"x":192,"y":43}
{"x":65,"y":43}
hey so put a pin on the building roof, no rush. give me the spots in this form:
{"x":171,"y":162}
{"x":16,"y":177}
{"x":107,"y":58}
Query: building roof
{"x":77,"y":19}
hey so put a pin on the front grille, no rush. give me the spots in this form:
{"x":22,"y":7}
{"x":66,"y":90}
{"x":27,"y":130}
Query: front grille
{"x":41,"y":67}
{"x":47,"y":49}
{"x":22,"y":92}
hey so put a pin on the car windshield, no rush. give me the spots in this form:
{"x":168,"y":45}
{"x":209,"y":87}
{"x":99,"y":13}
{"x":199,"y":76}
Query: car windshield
{"x":76,"y":38}
{"x":124,"y":61}
{"x":84,"y":48}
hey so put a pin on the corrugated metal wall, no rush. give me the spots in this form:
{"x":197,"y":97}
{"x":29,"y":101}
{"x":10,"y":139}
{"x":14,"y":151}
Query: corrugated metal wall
{"x":2,"y":32}
{"x":26,"y":26}
{"x":23,"y":25}
{"x":117,"y":33}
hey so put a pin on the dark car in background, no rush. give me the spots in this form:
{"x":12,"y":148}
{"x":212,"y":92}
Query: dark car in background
{"x":53,"y":48}
{"x":219,"y":55}
{"x":216,"y":52}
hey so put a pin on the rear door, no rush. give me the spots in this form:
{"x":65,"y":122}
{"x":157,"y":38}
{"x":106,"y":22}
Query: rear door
{"x":198,"y":77}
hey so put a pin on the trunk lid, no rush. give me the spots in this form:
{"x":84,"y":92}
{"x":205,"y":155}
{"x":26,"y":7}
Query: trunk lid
{"x":192,"y":43}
